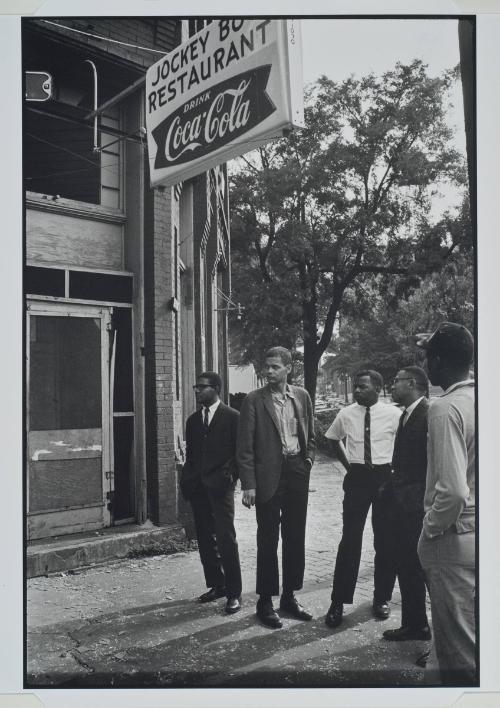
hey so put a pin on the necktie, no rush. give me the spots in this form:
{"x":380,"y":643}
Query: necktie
{"x":402,"y":421}
{"x":205,"y":420}
{"x":368,"y":449}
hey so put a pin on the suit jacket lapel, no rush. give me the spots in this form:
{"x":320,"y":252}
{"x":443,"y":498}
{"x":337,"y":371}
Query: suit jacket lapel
{"x":416,"y":414}
{"x":404,"y":430}
{"x":397,"y":440}
{"x":269,"y":406}
{"x":216,"y":417}
{"x":299,"y":414}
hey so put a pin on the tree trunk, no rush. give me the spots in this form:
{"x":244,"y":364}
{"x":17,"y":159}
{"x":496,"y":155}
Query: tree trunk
{"x":312,"y":354}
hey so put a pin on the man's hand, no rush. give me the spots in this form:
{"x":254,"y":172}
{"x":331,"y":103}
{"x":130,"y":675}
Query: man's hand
{"x":248,"y":497}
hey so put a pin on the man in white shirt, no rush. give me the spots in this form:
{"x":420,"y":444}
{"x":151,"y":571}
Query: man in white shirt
{"x":447,"y":544}
{"x":368,"y":428}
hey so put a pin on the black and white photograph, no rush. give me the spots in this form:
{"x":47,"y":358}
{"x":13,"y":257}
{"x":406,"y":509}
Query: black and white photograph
{"x":249,"y":344}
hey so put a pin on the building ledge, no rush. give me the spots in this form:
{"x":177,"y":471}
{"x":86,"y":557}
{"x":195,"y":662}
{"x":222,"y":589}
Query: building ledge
{"x":71,"y":207}
{"x":82,"y":550}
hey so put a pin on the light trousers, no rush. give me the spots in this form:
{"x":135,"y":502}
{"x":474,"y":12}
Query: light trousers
{"x":448,"y":562}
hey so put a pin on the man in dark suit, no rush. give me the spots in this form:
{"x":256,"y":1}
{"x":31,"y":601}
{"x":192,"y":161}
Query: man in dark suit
{"x":275,"y":453}
{"x":208,"y":480}
{"x":405,"y":496}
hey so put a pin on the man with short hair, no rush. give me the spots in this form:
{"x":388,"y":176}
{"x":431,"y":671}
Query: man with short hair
{"x":275,"y":453}
{"x":208,"y":480}
{"x":447,"y":543}
{"x":405,"y":497}
{"x":368,"y":427}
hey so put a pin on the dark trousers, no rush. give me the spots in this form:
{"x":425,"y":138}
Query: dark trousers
{"x":361,"y":487}
{"x":406,"y":528}
{"x":288,"y":508}
{"x":214,"y":522}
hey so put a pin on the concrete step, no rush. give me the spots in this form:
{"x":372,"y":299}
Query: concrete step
{"x":53,"y":555}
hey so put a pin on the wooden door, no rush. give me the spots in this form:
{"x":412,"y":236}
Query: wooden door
{"x":69,"y":451}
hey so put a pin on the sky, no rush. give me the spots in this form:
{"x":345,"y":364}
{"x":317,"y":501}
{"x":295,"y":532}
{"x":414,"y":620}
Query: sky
{"x":340,"y":47}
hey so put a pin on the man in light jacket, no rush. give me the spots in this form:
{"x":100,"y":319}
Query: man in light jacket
{"x":447,"y":544}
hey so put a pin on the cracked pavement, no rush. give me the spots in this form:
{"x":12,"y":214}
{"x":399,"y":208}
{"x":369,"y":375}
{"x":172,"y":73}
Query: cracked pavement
{"x":136,"y":622}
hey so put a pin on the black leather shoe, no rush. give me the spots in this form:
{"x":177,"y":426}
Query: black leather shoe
{"x":404,"y":633}
{"x":212,"y":594}
{"x":233,"y":604}
{"x":291,"y":605}
{"x":268,"y":615}
{"x":381,"y":610}
{"x":334,"y":615}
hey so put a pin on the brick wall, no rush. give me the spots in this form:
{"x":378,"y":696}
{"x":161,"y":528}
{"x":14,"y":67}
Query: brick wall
{"x":163,"y":410}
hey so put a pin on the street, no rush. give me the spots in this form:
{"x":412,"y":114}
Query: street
{"x":136,"y":623}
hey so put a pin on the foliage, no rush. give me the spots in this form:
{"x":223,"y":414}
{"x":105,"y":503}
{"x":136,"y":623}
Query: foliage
{"x":330,"y":211}
{"x":384,"y":337}
{"x":322,"y":421}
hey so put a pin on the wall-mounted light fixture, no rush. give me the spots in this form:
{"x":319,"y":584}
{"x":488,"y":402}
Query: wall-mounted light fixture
{"x":230,"y":305}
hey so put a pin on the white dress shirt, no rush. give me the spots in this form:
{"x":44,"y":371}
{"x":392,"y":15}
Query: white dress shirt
{"x":211,"y":410}
{"x":350,"y":424}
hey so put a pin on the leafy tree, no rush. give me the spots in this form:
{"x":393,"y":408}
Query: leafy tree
{"x":319,"y":213}
{"x":384,"y":337}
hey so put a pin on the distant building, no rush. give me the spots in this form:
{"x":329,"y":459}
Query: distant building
{"x":243,"y":379}
{"x":124,"y":284}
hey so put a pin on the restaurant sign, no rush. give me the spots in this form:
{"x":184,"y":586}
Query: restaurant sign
{"x":231,"y":87}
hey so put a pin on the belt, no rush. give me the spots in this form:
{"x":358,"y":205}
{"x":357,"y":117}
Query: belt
{"x":291,"y":455}
{"x":361,"y":464}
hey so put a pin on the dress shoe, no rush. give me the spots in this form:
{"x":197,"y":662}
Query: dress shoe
{"x":233,"y":604}
{"x":291,"y":605}
{"x":334,"y":615}
{"x":381,"y":610}
{"x":268,"y":615}
{"x":212,"y":594}
{"x":404,"y":633}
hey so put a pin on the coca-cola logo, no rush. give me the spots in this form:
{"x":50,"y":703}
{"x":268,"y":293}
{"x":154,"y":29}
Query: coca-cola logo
{"x":214,"y":118}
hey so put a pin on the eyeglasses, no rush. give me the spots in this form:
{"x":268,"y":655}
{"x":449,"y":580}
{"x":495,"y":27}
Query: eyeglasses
{"x":200,"y":387}
{"x":403,"y":378}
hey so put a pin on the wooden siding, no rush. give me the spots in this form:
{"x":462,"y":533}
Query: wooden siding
{"x":60,"y":484}
{"x":57,"y":523}
{"x":64,"y":444}
{"x":67,"y":240}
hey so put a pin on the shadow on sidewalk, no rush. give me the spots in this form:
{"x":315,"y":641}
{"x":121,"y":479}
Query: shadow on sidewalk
{"x":150,"y":647}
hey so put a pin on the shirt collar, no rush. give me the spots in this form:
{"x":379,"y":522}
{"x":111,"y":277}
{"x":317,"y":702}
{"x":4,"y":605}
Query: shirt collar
{"x":412,"y":407}
{"x":374,"y":405}
{"x":288,"y":392}
{"x":213,"y":407}
{"x":458,"y":384}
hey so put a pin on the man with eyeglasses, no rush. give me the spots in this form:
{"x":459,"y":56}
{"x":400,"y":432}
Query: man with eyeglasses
{"x":404,"y":494}
{"x":207,"y":481}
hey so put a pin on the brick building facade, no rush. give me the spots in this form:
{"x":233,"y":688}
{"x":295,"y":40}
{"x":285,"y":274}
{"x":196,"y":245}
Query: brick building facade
{"x":125,"y":285}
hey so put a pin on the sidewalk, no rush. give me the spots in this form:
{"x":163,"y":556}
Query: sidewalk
{"x":135,"y":623}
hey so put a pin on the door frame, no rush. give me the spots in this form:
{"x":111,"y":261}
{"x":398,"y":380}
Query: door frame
{"x":104,"y":518}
